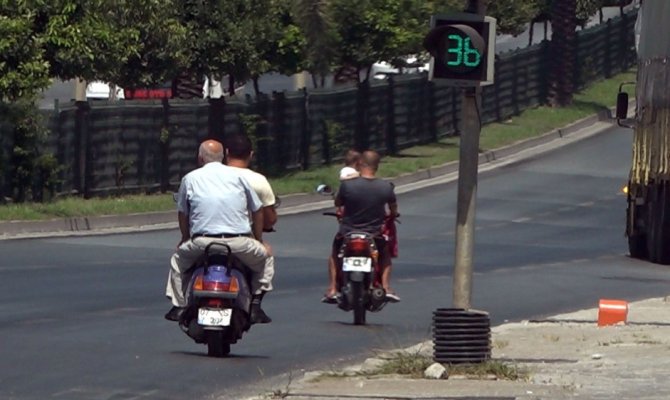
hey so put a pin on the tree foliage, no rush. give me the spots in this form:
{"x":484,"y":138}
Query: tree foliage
{"x":147,"y":42}
{"x":24,"y":69}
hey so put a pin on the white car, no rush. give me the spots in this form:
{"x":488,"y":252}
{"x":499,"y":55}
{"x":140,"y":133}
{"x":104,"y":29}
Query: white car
{"x":382,"y":69}
{"x":98,"y":90}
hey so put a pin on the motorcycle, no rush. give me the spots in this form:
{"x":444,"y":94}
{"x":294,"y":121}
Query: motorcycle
{"x":219,"y":301}
{"x":359,"y":276}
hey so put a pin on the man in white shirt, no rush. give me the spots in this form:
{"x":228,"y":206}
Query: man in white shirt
{"x":239,"y":153}
{"x":216,"y":203}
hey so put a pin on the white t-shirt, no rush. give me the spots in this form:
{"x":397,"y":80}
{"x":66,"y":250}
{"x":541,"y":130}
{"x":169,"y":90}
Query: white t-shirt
{"x":348,"y":173}
{"x":259,"y":183}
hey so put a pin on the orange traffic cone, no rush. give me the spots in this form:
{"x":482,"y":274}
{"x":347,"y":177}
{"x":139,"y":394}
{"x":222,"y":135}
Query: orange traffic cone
{"x":612,"y":312}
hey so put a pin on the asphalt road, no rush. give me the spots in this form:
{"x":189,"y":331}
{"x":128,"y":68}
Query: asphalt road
{"x":82,"y":318}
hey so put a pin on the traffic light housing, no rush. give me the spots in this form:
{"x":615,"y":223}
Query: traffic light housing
{"x":462,"y":47}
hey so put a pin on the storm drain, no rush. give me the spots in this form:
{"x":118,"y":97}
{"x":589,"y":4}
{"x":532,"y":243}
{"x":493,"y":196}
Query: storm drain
{"x":461,"y":336}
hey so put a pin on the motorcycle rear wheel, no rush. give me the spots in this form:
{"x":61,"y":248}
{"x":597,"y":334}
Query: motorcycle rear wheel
{"x":216,"y":347}
{"x":359,"y":302}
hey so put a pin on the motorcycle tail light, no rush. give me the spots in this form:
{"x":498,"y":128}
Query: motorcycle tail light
{"x":358,"y":246}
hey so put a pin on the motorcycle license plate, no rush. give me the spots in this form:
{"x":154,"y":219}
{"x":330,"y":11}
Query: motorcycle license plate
{"x":214,"y":317}
{"x":357,"y":264}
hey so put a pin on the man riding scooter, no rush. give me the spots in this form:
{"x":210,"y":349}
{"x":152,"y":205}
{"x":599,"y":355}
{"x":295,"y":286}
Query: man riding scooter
{"x":214,"y":202}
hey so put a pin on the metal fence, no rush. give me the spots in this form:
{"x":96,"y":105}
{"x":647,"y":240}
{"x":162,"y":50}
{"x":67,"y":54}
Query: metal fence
{"x":145,"y":146}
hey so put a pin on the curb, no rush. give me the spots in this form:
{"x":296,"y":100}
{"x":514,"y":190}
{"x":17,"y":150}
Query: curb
{"x":296,"y":203}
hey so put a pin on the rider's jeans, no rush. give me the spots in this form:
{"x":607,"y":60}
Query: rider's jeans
{"x":249,"y":251}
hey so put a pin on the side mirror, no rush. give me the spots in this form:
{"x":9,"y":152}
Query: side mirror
{"x":622,"y":105}
{"x":174,"y":196}
{"x":324,"y":190}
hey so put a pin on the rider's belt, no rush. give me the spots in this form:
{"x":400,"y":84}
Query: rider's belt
{"x":221,"y":235}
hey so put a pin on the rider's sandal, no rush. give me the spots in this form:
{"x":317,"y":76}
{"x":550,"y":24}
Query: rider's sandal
{"x":329,"y":299}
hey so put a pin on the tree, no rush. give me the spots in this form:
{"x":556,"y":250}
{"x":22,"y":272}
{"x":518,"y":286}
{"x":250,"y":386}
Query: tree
{"x":23,"y":69}
{"x":513,"y":17}
{"x":80,"y":40}
{"x":316,"y":23}
{"x":563,"y":50}
{"x":158,"y":40}
{"x":288,"y":53}
{"x":369,"y":31}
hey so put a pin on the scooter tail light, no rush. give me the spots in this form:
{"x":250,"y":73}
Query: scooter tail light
{"x":231,"y":285}
{"x":214,"y":303}
{"x":198,"y":284}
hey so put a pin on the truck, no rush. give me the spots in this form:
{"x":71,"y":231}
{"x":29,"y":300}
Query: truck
{"x":648,"y":189}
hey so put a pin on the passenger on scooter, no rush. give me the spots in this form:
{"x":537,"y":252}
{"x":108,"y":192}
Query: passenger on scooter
{"x":365,"y":200}
{"x":239,"y":151}
{"x":216,"y":203}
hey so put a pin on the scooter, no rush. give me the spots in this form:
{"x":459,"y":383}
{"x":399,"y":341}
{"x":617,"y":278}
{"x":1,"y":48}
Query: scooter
{"x":219,"y":301}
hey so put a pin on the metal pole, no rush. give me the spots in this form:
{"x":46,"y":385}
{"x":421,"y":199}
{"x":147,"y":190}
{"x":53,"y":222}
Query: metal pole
{"x":467,"y":188}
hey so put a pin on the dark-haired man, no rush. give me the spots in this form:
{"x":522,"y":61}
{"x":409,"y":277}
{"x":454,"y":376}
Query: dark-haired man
{"x":239,"y":152}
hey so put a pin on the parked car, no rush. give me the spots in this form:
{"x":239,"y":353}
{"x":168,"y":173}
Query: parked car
{"x":98,"y":90}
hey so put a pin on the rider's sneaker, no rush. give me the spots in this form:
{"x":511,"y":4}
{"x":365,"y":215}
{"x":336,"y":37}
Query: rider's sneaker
{"x":258,"y":316}
{"x":392,"y":297}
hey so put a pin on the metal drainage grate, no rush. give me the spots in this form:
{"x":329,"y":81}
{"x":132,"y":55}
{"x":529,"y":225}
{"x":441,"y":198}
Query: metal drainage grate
{"x":461,"y":336}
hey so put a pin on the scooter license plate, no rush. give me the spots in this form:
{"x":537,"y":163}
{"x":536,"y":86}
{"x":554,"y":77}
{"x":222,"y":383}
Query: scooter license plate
{"x":214,"y":317}
{"x":357,"y":264}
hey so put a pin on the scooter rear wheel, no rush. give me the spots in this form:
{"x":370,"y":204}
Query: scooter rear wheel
{"x":359,"y":303}
{"x":216,"y":347}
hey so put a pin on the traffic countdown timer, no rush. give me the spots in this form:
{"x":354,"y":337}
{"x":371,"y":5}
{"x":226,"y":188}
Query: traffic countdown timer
{"x":462,"y":47}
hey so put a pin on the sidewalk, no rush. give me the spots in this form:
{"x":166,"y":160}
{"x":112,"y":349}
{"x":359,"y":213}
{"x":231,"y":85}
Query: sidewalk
{"x":564,"y":357}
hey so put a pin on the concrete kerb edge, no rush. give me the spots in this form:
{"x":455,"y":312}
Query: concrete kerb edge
{"x":298,"y":203}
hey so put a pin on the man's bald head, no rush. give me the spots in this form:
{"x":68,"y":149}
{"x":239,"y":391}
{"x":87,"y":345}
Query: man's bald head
{"x":210,"y":151}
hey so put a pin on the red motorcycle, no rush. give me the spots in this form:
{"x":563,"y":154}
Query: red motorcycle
{"x":359,"y":275}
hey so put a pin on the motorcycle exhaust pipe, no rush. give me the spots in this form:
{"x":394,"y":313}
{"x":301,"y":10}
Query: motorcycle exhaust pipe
{"x":377,"y":299}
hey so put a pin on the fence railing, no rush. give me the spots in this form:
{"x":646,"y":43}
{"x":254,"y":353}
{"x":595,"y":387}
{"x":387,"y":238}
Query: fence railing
{"x":146,"y":146}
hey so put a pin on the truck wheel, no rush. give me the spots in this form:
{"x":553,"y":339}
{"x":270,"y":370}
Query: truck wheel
{"x":663,"y":226}
{"x":664,"y":246}
{"x":658,"y":231}
{"x":637,"y":246}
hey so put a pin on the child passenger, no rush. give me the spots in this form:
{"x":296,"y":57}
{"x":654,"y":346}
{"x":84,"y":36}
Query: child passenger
{"x":350,"y":169}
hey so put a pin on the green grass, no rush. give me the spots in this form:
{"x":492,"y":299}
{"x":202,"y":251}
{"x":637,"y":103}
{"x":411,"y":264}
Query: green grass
{"x":597,"y":97}
{"x":414,"y":365}
{"x":76,"y":207}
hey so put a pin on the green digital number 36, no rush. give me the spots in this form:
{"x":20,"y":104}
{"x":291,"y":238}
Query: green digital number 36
{"x":463,"y":53}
